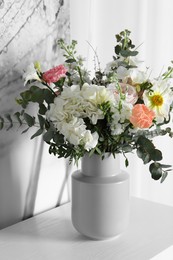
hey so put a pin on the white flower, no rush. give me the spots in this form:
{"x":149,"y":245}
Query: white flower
{"x":30,"y":74}
{"x":74,"y":130}
{"x":97,"y":94}
{"x":90,"y":140}
{"x":135,"y":75}
{"x":159,"y":99}
{"x":134,"y":61}
{"x":93,"y":96}
{"x":56,"y":113}
{"x":119,"y":117}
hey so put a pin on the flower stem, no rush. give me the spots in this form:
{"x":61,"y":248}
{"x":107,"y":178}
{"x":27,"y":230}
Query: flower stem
{"x":168,"y":73}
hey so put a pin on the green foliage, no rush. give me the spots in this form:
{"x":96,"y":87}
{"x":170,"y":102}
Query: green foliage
{"x":71,"y":59}
{"x":125,"y":46}
{"x":147,"y":152}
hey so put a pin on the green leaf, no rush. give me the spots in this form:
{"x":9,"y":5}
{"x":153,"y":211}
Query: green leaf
{"x":127,"y":53}
{"x":17,"y":115}
{"x":70,"y":60}
{"x":26,"y":95}
{"x":42,"y":109}
{"x":156,"y":170}
{"x":145,"y":156}
{"x":48,"y":135}
{"x":164,"y":175}
{"x":166,"y":165}
{"x":29,"y":119}
{"x":126,"y":162}
{"x":37,"y":95}
{"x":60,"y":83}
{"x":145,"y":144}
{"x":117,"y":49}
{"x":156,"y":155}
{"x":39,"y":132}
{"x":118,"y":37}
{"x":98,"y":150}
{"x":41,"y":121}
{"x":48,"y":96}
{"x":26,"y":130}
{"x":58,"y":138}
{"x":91,"y":152}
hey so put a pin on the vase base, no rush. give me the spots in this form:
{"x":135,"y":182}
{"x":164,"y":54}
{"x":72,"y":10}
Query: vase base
{"x":98,"y":238}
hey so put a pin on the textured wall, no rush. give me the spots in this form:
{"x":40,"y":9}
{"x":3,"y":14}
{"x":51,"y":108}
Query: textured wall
{"x":29,"y":30}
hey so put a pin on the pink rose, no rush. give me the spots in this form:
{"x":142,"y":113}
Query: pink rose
{"x":55,"y":74}
{"x":142,"y":116}
{"x":130,"y":91}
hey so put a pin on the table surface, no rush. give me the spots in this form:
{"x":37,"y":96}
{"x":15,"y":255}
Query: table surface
{"x":50,"y":236}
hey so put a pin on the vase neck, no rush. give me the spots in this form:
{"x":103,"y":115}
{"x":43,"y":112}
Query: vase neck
{"x":95,"y":166}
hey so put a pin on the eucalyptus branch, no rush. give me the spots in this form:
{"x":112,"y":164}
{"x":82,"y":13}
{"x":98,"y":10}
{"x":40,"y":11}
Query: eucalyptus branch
{"x":45,"y":84}
{"x":70,"y":55}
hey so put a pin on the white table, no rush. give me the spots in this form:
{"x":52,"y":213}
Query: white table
{"x":50,"y":236}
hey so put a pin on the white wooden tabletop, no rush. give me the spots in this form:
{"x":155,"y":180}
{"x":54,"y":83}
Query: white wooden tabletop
{"x":50,"y":236}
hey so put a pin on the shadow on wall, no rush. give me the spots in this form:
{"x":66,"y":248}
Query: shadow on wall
{"x":29,"y":31}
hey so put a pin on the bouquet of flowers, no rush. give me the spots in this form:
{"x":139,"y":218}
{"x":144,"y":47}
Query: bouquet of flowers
{"x":118,"y":110}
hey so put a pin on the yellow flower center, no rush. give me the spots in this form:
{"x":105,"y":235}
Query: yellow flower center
{"x":157,"y":100}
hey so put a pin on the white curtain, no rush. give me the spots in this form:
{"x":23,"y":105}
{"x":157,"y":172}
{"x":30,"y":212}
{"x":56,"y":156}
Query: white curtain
{"x":150,"y":21}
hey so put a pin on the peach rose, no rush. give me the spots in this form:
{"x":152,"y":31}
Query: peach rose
{"x":142,"y":116}
{"x":55,"y":74}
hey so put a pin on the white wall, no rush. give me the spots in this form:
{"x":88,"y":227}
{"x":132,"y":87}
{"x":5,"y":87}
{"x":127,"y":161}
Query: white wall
{"x":150,"y":21}
{"x":30,"y":179}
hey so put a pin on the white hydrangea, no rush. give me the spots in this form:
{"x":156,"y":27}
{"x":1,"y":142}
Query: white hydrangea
{"x":96,"y":94}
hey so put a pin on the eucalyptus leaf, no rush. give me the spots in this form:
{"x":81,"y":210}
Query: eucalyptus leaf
{"x":17,"y":115}
{"x":48,"y":135}
{"x":29,"y":119}
{"x":42,"y":109}
{"x":41,"y":120}
{"x":156,"y":155}
{"x":126,"y":162}
{"x":164,"y":175}
{"x":26,"y":130}
{"x":48,"y":96}
{"x":156,"y":170}
{"x":70,"y":60}
{"x":39,"y":132}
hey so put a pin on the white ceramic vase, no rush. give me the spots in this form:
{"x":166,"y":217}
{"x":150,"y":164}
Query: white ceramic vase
{"x":100,"y":197}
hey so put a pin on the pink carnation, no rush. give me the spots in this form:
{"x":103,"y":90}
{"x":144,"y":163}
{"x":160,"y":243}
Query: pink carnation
{"x":55,"y":74}
{"x":142,"y":116}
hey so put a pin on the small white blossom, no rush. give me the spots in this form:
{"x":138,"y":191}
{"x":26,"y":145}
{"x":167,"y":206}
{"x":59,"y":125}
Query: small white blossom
{"x":30,"y":74}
